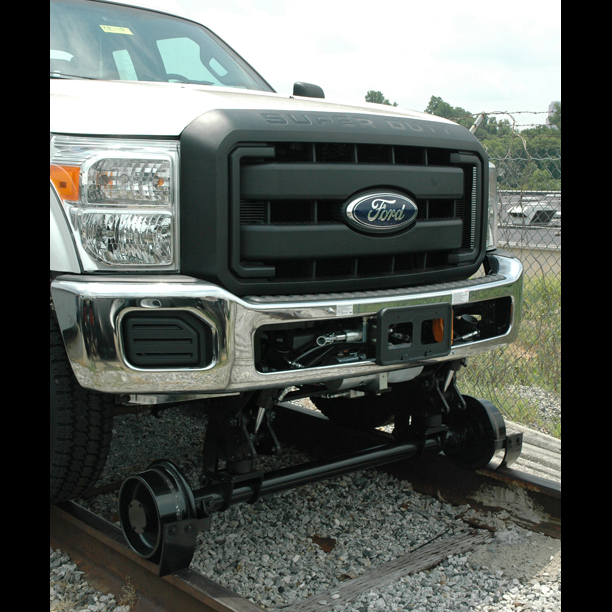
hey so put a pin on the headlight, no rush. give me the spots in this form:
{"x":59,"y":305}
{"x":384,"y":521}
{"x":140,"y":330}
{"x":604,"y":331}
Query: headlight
{"x":492,"y":230}
{"x":121,"y":199}
{"x":127,"y":179}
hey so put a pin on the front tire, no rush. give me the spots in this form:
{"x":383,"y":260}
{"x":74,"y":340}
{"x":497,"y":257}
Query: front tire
{"x":80,"y":427}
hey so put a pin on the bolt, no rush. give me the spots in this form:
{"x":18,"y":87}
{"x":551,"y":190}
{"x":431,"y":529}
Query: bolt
{"x":188,"y":528}
{"x":172,"y":531}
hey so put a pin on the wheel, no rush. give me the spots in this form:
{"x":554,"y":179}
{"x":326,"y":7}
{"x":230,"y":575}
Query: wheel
{"x":80,"y":427}
{"x":479,"y":427}
{"x":366,"y":412}
{"x":151,"y":499}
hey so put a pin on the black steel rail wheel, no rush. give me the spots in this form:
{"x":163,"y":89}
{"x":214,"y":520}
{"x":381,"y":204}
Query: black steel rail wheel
{"x":481,"y":428}
{"x":80,"y":427}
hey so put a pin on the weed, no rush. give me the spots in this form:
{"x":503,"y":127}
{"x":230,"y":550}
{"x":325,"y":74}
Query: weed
{"x":523,"y":377}
{"x":128,"y":597}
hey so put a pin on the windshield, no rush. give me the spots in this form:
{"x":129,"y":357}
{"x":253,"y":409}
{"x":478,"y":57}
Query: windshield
{"x":95,"y":40}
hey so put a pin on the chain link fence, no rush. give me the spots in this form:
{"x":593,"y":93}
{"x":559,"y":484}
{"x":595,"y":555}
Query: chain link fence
{"x":524,"y":379}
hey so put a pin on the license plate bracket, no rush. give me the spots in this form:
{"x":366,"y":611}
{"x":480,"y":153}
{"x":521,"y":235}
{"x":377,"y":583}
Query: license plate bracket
{"x":413,"y":333}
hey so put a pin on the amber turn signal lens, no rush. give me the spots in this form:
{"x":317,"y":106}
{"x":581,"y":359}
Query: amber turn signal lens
{"x":66,"y":181}
{"x":438,"y":329}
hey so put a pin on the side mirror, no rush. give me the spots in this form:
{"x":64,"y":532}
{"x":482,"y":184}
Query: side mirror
{"x":307,"y":90}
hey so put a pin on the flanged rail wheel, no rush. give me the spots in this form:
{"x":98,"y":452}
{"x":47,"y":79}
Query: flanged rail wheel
{"x":479,"y":428}
{"x":151,"y":499}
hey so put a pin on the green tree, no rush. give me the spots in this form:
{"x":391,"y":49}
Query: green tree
{"x":378,"y":98}
{"x":555,"y":118}
{"x":492,"y":128}
{"x":531,"y":158}
{"x":437,"y":106}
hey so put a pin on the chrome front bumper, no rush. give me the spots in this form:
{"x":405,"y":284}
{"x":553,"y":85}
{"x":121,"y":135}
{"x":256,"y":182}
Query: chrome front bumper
{"x":90,"y":309}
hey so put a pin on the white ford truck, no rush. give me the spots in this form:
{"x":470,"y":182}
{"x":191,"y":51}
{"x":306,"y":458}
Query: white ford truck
{"x":213,"y":240}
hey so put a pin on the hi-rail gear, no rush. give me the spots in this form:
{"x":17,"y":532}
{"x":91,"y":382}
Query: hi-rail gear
{"x":161,"y":514}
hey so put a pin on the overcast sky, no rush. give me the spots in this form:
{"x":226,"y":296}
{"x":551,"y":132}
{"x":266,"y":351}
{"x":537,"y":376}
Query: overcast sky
{"x":481,"y":55}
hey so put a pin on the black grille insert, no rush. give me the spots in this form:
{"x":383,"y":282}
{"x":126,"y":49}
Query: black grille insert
{"x":287,"y":203}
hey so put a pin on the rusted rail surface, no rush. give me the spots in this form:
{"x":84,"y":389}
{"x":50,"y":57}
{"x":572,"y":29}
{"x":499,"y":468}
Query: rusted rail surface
{"x":99,"y":549}
{"x":533,"y":502}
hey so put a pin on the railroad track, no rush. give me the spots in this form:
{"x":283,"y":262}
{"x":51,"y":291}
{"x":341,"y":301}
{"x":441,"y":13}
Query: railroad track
{"x":99,"y":549}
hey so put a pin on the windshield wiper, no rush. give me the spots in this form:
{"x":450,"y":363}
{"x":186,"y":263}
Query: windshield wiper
{"x":63,"y":75}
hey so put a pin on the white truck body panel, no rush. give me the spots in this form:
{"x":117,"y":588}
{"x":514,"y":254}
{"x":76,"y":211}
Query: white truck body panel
{"x":130,"y":108}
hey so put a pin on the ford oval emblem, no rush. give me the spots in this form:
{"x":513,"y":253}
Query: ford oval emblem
{"x":380,"y":212}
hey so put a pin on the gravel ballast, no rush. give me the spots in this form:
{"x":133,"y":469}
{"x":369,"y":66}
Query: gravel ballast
{"x":306,"y":541}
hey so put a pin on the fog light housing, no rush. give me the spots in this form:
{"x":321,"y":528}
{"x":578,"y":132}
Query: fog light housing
{"x":167,"y":339}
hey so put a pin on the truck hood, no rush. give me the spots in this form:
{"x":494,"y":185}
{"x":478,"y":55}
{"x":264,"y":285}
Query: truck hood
{"x":136,"y":109}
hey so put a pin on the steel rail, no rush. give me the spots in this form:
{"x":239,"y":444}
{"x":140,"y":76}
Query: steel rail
{"x":431,"y":474}
{"x":99,"y":549}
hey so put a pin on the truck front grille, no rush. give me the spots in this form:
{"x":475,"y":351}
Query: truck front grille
{"x":286,"y":202}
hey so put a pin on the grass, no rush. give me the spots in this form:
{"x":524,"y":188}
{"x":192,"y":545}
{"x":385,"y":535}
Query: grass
{"x":521,"y":377}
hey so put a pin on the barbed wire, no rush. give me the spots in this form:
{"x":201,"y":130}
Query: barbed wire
{"x":510,"y":114}
{"x":515,"y":113}
{"x":514,"y":152}
{"x":514,"y":125}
